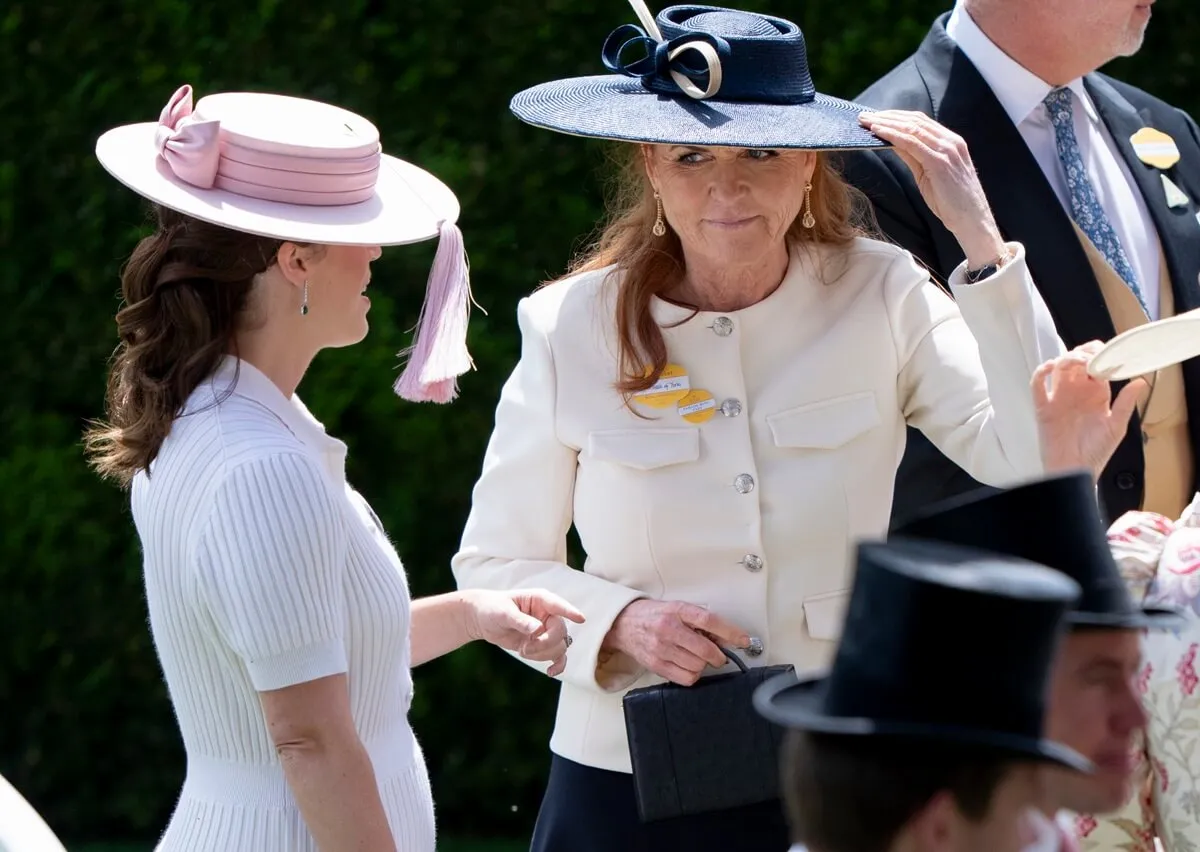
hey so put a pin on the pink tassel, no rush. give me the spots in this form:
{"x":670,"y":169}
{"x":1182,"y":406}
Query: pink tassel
{"x":439,"y":353}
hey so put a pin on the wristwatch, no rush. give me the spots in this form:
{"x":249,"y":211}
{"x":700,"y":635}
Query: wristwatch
{"x":987,"y":271}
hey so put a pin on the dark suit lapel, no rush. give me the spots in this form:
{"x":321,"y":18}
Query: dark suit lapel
{"x":1021,"y":198}
{"x":1178,"y":229}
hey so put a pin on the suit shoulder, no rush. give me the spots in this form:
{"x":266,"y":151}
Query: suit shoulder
{"x":571,"y":302}
{"x":1140,"y":98}
{"x":872,"y":262}
{"x":901,"y":88}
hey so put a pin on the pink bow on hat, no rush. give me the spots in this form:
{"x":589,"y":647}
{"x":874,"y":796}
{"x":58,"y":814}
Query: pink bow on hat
{"x":191,"y":148}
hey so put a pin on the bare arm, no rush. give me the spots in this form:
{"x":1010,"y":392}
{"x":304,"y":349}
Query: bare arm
{"x":326,"y":765}
{"x":531,"y":623}
{"x":440,"y":624}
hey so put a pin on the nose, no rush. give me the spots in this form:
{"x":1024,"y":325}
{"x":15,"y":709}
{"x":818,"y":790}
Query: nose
{"x":728,"y":181}
{"x":1132,"y":715}
{"x":376,"y":252}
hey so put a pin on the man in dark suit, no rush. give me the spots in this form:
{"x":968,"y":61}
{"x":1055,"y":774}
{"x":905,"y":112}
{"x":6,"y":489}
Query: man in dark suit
{"x":1078,"y":169}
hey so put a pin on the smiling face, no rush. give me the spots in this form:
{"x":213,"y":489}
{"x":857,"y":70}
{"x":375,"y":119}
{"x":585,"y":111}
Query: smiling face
{"x":729,"y":206}
{"x":1096,"y":710}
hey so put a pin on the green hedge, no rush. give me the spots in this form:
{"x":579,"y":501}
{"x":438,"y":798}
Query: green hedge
{"x":88,"y":734}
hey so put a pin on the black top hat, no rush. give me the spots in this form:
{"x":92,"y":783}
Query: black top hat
{"x":941,"y":643}
{"x":1055,"y":522}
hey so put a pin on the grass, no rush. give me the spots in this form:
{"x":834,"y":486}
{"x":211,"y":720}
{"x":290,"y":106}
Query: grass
{"x":449,"y":844}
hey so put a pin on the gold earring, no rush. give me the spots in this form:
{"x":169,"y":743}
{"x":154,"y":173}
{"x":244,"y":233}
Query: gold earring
{"x":809,"y":221}
{"x":660,"y":227}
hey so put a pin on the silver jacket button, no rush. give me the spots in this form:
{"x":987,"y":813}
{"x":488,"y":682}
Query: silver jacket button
{"x":752,"y":562}
{"x":722,"y":326}
{"x":744,"y":483}
{"x":755,"y":647}
{"x":731,"y":407}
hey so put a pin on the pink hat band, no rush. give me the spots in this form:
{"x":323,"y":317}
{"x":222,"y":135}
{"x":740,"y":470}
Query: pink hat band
{"x":206,"y":155}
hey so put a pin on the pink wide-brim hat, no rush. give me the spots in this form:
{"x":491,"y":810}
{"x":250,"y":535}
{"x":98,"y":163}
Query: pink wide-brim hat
{"x":278,"y":166}
{"x":309,"y":172}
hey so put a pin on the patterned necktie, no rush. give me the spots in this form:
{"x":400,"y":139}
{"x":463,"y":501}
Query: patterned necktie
{"x":1085,"y":205}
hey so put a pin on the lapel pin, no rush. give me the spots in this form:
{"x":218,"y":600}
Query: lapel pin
{"x":1175,"y":195}
{"x":672,"y":386}
{"x":698,"y":406}
{"x":1155,"y":148}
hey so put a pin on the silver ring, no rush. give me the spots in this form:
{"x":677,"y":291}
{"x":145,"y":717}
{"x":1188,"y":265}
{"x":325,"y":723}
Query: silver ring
{"x":569,"y":640}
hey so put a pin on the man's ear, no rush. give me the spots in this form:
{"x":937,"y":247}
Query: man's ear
{"x":936,"y":826}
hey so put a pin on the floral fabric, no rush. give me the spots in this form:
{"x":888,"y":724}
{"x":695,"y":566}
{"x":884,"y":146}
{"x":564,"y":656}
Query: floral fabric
{"x":1160,"y":561}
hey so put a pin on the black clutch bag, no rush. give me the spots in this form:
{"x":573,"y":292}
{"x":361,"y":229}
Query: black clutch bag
{"x":703,"y":747}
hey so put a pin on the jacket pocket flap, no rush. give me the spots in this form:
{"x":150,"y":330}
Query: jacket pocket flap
{"x":824,"y":614}
{"x":645,"y":449}
{"x":827,"y":424}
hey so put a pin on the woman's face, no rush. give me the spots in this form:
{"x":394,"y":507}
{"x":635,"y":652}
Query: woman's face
{"x":729,"y":206}
{"x":337,"y":303}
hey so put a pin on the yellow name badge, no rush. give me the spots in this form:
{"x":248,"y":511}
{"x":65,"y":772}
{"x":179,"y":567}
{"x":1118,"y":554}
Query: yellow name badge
{"x":698,"y":406}
{"x":672,"y":385}
{"x":1155,"y":148}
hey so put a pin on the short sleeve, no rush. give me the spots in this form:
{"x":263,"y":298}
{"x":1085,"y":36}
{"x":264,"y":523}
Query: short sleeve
{"x":270,"y":567}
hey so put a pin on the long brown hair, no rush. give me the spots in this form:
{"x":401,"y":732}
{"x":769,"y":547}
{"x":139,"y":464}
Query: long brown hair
{"x":653,"y":265}
{"x":185,"y":290}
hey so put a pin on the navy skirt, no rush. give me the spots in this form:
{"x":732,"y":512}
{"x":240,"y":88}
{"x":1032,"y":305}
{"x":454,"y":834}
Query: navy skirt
{"x":593,"y":810}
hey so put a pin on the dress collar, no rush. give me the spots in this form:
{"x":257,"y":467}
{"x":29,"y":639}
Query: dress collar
{"x":241,"y":378}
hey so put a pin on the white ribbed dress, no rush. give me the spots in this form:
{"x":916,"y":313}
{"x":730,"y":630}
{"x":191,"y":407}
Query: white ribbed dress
{"x":264,"y":569}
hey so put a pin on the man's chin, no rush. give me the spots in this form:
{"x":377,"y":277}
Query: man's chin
{"x":1096,"y":796}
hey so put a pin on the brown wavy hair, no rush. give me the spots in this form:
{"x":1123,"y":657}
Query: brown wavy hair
{"x":185,"y":289}
{"x":654,"y":265}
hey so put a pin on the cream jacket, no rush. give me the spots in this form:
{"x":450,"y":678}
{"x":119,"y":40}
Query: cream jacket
{"x":753,"y":512}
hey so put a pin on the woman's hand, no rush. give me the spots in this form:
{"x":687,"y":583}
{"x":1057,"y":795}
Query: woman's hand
{"x":529,"y":622}
{"x":945,"y":175}
{"x":675,"y":640}
{"x":1079,"y":423}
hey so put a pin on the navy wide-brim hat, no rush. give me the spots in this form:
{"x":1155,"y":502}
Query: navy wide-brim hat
{"x":704,"y":76}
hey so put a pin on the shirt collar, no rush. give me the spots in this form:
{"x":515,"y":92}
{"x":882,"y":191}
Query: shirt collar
{"x":241,"y":378}
{"x":1018,"y":89}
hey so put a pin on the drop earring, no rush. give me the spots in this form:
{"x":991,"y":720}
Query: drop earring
{"x":660,"y":227}
{"x":304,"y":304}
{"x":809,"y":221}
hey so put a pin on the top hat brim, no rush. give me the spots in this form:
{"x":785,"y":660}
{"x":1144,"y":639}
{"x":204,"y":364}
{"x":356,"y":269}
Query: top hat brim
{"x":798,"y":702}
{"x":1149,"y":347}
{"x":408,"y":204}
{"x":1146,"y":618}
{"x":620,"y":108}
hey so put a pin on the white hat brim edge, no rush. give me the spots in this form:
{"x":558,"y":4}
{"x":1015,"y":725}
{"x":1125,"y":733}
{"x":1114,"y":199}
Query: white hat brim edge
{"x":1146,"y":348}
{"x":409,"y":204}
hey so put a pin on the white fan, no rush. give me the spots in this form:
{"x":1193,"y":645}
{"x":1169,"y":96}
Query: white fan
{"x":1148,"y":347}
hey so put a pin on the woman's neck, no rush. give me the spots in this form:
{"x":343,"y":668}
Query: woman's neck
{"x":710,"y":285}
{"x":272,"y":356}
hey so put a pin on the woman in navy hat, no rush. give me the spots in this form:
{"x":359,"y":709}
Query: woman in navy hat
{"x":716,"y":396}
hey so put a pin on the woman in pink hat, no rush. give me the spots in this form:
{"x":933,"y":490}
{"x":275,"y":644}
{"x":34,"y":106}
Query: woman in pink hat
{"x":279,"y":609}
